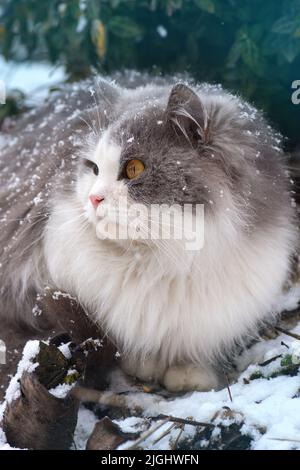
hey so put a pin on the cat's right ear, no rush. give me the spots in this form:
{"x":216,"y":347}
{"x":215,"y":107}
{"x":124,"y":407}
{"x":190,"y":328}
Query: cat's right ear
{"x":186,"y":114}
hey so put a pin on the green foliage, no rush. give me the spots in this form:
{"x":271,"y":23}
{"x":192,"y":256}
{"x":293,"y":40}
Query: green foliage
{"x":256,"y":375}
{"x":287,"y":361}
{"x":252,"y":47}
{"x":288,"y":365}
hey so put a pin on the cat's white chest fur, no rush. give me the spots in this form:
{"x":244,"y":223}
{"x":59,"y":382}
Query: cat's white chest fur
{"x":159,"y":304}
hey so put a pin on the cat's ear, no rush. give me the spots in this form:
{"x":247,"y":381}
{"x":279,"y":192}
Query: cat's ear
{"x":186,"y":114}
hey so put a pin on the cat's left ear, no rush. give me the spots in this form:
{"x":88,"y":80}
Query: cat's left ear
{"x":186,"y":114}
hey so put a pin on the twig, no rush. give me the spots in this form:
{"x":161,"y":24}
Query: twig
{"x":283,"y":439}
{"x":120,"y":401}
{"x":165,"y":433}
{"x":265,"y":363}
{"x":147,"y":434}
{"x":175,"y":445}
{"x":288,"y":333}
{"x":228,"y":387}
{"x":183,"y":421}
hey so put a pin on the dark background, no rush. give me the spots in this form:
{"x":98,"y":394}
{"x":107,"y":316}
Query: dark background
{"x":252,"y":47}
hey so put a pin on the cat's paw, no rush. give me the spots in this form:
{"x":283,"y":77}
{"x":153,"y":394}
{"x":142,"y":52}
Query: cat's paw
{"x":184,"y":378}
{"x":148,"y":370}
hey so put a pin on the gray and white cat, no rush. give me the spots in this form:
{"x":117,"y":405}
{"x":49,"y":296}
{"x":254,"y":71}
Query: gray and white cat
{"x":173,"y":313}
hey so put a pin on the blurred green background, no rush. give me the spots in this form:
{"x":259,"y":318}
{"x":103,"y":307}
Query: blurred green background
{"x":252,"y":47}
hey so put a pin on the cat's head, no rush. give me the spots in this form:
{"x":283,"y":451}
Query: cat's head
{"x":184,"y":149}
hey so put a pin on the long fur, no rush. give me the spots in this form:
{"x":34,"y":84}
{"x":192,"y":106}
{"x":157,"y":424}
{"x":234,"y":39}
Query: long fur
{"x":154,"y":298}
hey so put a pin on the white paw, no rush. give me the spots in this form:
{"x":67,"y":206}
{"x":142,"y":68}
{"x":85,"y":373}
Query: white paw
{"x":189,"y":377}
{"x":148,"y":370}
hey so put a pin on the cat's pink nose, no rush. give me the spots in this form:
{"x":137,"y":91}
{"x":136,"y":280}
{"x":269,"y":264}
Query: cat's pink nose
{"x":95,"y":200}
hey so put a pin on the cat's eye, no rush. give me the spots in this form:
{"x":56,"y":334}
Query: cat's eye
{"x":92,"y":166}
{"x":134,"y":168}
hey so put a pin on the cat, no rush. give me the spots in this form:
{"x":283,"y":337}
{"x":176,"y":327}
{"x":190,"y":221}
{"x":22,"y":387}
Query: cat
{"x":174,"y":313}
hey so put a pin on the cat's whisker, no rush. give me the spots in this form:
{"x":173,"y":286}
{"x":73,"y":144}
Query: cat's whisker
{"x":28,"y":226}
{"x":98,"y":113}
{"x":90,"y":126}
{"x":69,"y":210}
{"x":152,"y":249}
{"x":72,"y":221}
{"x":174,"y":254}
{"x":101,"y":94}
{"x":22,"y":219}
{"x":26,"y":248}
{"x":93,"y":120}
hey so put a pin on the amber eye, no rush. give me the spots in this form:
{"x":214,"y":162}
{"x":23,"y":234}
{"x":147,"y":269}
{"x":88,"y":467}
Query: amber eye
{"x":134,"y":168}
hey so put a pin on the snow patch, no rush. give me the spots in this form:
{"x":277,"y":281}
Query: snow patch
{"x":33,"y":79}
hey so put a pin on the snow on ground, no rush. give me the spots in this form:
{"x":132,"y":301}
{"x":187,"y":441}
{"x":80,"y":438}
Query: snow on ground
{"x":272,"y":405}
{"x":269,"y":408}
{"x":30,"y":352}
{"x":34,"y":79}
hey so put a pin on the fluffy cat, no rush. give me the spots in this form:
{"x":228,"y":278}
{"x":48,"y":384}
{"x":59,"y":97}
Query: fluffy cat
{"x":174,"y":313}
